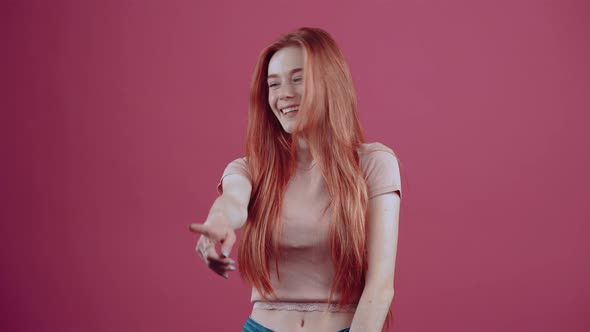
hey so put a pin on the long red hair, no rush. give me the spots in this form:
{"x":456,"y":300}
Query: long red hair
{"x":329,"y":123}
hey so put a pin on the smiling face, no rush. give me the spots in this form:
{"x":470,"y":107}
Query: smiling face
{"x":285,"y":85}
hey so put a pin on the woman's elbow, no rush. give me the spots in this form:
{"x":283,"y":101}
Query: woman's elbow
{"x":384,"y":287}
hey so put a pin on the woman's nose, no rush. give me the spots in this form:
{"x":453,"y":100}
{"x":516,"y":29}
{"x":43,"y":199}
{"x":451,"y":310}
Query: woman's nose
{"x":287,"y":91}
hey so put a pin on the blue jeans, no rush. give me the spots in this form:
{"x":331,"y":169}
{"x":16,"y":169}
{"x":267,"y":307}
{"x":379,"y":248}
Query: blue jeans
{"x":252,"y":326}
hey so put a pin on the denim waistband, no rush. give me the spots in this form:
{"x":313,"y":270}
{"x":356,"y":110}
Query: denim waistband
{"x":253,"y":326}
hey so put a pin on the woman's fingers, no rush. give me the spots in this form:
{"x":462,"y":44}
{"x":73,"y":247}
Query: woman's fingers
{"x":227,"y":243}
{"x":221,"y":273}
{"x":207,"y":252}
{"x":213,"y":257}
{"x":210,"y":235}
{"x":215,"y":232}
{"x":218,"y":233}
{"x":203,"y":248}
{"x":221,"y":269}
{"x":206,"y":230}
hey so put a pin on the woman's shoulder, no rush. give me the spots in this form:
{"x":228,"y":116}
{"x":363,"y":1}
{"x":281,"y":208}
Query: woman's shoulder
{"x":377,"y":156}
{"x":367,"y":149}
{"x":381,"y":168}
{"x":238,"y":165}
{"x":239,"y":161}
{"x":242,"y":160}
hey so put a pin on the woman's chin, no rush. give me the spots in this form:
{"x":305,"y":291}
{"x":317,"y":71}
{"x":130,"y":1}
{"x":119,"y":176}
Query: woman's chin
{"x":289,"y":128}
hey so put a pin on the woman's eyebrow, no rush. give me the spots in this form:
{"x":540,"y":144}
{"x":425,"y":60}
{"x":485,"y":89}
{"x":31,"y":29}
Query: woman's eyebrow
{"x":296,"y":70}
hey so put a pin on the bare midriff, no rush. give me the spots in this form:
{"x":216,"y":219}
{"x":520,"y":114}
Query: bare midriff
{"x":302,"y":321}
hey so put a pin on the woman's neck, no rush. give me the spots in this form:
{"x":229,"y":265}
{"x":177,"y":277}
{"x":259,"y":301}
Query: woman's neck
{"x":304,"y":158}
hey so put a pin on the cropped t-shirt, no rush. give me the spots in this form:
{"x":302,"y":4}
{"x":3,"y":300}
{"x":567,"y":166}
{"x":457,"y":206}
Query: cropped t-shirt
{"x":306,"y":270}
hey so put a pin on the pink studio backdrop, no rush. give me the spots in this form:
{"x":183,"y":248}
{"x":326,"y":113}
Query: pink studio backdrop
{"x":118,"y":118}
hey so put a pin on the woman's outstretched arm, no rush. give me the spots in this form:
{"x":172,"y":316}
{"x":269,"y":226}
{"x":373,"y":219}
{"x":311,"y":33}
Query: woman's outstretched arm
{"x":382,"y":231}
{"x":228,"y":213}
{"x":233,"y":202}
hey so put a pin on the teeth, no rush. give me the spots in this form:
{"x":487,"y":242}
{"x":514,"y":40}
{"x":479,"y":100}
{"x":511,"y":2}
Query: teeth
{"x":290,"y":109}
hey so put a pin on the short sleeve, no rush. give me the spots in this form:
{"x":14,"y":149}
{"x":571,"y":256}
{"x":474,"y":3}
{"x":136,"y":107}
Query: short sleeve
{"x":238,"y":166}
{"x":382,"y":172}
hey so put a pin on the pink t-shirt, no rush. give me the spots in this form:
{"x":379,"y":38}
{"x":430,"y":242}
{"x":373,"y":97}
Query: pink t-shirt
{"x":305,"y":266}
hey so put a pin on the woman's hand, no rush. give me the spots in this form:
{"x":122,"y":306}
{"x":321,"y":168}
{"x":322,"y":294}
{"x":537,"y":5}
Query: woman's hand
{"x":215,"y":230}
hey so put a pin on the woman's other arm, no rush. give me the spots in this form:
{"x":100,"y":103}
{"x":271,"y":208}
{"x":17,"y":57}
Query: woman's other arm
{"x":228,"y":213}
{"x":382,"y":248}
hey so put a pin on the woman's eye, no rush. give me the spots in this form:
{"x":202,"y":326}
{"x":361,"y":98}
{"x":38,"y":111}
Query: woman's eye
{"x":272,"y":85}
{"x":298,"y":79}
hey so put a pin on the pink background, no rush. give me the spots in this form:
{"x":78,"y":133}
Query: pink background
{"x":118,"y":118}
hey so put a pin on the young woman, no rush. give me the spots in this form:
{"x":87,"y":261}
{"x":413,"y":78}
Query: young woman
{"x":318,"y":205}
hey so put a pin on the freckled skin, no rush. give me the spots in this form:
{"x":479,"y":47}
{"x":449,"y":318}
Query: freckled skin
{"x":286,"y":88}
